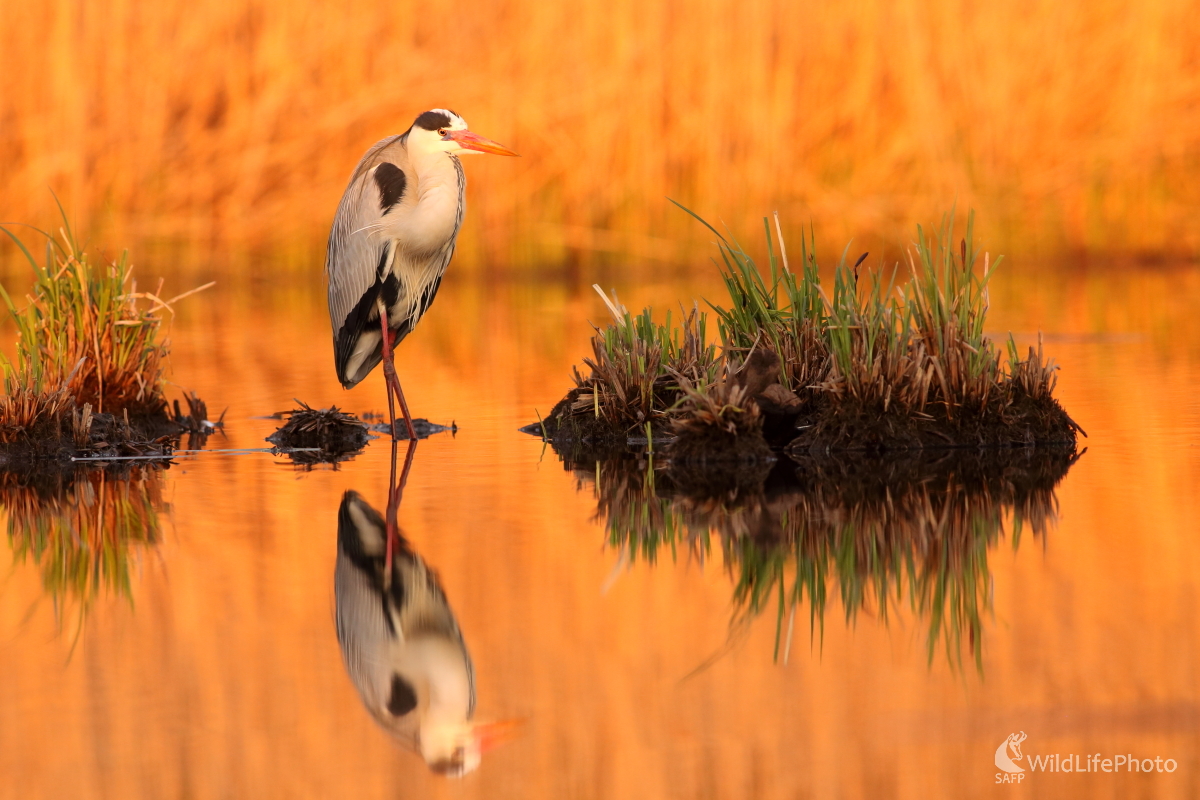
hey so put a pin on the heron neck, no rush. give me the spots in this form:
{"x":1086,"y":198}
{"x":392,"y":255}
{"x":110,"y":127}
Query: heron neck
{"x":434,"y":171}
{"x":438,"y":666}
{"x":439,"y":193}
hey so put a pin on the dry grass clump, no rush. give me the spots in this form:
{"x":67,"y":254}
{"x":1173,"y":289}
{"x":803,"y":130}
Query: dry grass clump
{"x":335,"y":433}
{"x":637,"y":368}
{"x":25,"y":410}
{"x":720,"y":423}
{"x":87,"y":339}
{"x":320,"y":422}
{"x":726,"y":407}
{"x":1033,"y":377}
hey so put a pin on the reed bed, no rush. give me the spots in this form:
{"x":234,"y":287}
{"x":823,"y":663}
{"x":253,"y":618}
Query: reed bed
{"x":909,"y":535}
{"x":218,"y":123}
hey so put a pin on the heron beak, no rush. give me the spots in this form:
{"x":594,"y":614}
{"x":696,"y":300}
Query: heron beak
{"x":473,"y":141}
{"x":490,"y":735}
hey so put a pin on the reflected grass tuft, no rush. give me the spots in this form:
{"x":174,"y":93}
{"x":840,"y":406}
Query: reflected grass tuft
{"x":910,"y":535}
{"x":82,"y":530}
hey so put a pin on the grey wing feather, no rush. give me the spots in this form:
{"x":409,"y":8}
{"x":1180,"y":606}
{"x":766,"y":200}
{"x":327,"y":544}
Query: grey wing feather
{"x":353,"y":254}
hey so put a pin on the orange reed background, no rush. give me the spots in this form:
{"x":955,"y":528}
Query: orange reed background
{"x":1069,"y":125}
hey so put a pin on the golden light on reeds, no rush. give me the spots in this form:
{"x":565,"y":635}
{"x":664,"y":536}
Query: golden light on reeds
{"x":1067,"y":125}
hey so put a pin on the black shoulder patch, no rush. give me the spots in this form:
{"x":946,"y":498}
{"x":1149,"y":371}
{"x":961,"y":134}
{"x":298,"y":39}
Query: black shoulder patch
{"x":432,"y":120}
{"x":402,"y":699}
{"x":391,"y":182}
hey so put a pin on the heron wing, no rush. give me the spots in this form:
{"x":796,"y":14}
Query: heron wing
{"x":358,"y":258}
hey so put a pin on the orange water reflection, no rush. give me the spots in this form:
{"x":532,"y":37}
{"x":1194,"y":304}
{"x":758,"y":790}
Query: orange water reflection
{"x":827,"y":538}
{"x":223,"y":676}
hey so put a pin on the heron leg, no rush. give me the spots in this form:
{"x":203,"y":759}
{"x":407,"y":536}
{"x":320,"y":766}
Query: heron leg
{"x":395,"y":495}
{"x":412,"y":433}
{"x":390,"y":378}
{"x":392,"y":531}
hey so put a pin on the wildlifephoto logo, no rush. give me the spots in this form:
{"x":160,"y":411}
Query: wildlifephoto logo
{"x":1007,"y":762}
{"x":1009,"y":753}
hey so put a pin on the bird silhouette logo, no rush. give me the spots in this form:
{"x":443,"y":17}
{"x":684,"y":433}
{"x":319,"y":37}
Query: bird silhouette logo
{"x":1013,"y":743}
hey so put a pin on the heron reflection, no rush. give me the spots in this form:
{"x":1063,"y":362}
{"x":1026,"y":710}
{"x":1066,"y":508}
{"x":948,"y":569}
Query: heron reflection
{"x":400,"y":641}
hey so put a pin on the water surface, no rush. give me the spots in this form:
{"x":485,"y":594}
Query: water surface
{"x":210,"y":667}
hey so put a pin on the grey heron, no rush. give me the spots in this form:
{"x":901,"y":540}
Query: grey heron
{"x":391,"y":240}
{"x":400,"y":640}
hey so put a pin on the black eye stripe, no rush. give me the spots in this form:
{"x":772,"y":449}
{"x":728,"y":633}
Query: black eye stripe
{"x":432,"y":120}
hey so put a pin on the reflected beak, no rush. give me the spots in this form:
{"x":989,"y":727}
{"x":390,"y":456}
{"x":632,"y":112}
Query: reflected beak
{"x":473,"y":141}
{"x":493,"y":734}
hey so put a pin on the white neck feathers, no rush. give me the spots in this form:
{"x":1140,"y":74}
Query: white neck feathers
{"x":432,"y":222}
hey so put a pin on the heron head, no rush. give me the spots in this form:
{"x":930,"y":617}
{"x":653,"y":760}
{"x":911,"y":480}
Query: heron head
{"x":441,"y":130}
{"x":456,"y":749}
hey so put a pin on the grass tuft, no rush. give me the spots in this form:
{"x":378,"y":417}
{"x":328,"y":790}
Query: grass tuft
{"x":725,"y":408}
{"x":87,"y":338}
{"x":637,"y":367}
{"x":913,"y":345}
{"x":846,"y":356}
{"x":321,"y":435}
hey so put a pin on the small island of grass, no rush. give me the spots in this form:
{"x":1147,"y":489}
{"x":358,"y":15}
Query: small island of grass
{"x":874,"y":365}
{"x":86,"y":382}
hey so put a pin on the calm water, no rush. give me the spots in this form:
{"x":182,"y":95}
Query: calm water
{"x":205,"y":662}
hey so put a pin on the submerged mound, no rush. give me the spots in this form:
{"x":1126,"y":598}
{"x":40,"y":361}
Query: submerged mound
{"x":325,"y":435}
